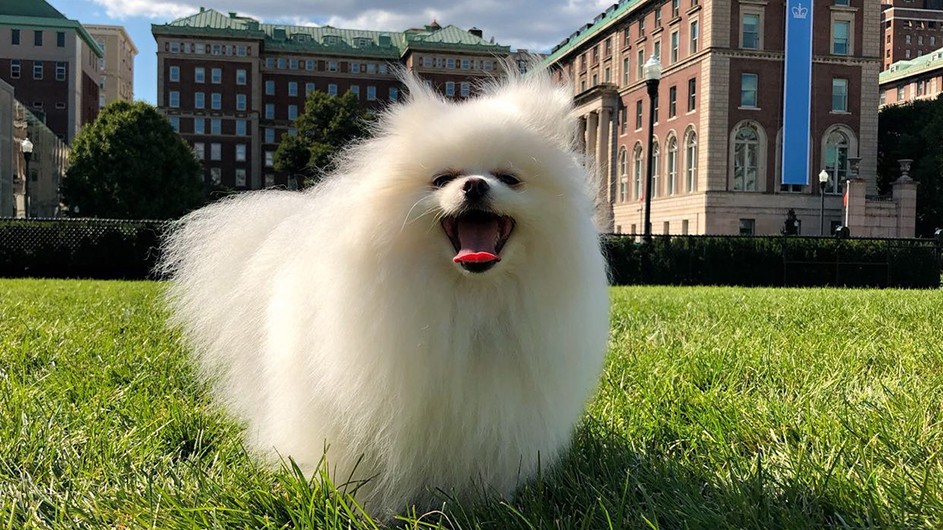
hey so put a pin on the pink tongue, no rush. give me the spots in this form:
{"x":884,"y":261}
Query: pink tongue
{"x":477,"y":239}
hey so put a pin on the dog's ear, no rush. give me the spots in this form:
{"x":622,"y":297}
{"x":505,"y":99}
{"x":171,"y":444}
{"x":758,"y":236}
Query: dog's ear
{"x":545,"y":104}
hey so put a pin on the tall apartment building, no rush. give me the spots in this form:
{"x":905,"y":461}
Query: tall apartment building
{"x":719,"y":111}
{"x":52,"y":64}
{"x":116,"y":68}
{"x":231,"y":85}
{"x":907,"y":81}
{"x":912,"y":29}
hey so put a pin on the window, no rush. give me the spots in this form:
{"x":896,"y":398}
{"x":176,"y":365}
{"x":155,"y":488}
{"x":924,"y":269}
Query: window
{"x":269,"y":180}
{"x":270,"y":88}
{"x":199,"y":150}
{"x":309,"y":64}
{"x":15,"y":68}
{"x":658,"y":17}
{"x":465,"y":89}
{"x":38,"y":37}
{"x":332,"y":66}
{"x":240,"y":102}
{"x":623,"y":120}
{"x":488,"y":65}
{"x":240,"y":77}
{"x":637,"y":171}
{"x":240,"y":177}
{"x":690,"y":161}
{"x":270,"y":111}
{"x":292,"y":88}
{"x":37,"y":70}
{"x":60,"y":70}
{"x":241,"y":50}
{"x":199,"y":100}
{"x":750,"y":31}
{"x":216,"y":126}
{"x":839,"y":95}
{"x":292,"y":112}
{"x":692,"y":94}
{"x":655,"y":169}
{"x":269,"y":135}
{"x":309,"y":88}
{"x":394,"y":93}
{"x":841,"y":32}
{"x":640,"y":65}
{"x":175,"y":123}
{"x":450,"y":88}
{"x":240,"y":152}
{"x":674,"y":46}
{"x":625,"y":70}
{"x":15,"y":37}
{"x":371,"y":93}
{"x":466,"y":64}
{"x":694,"y":35}
{"x":240,"y":127}
{"x":672,"y":163}
{"x":675,"y":8}
{"x":199,"y":74}
{"x":623,"y":175}
{"x":60,"y":40}
{"x":173,"y":99}
{"x":638,"y":114}
{"x":747,"y":227}
{"x":175,"y":73}
{"x":836,"y":161}
{"x":269,"y":158}
{"x":216,"y":152}
{"x":216,"y":76}
{"x":450,"y":63}
{"x":656,"y":51}
{"x":199,"y":126}
{"x":748,"y":84}
{"x":216,"y":175}
{"x":332,"y":89}
{"x":672,"y":101}
{"x":746,"y":159}
{"x":641,"y":27}
{"x":292,"y":64}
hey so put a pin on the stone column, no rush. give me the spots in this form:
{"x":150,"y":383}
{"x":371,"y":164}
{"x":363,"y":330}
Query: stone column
{"x":905,"y":197}
{"x":592,"y":129}
{"x":856,"y":190}
{"x":581,"y":134}
{"x":603,"y":169}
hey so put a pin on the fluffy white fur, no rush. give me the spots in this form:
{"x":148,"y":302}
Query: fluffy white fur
{"x":336,"y":317}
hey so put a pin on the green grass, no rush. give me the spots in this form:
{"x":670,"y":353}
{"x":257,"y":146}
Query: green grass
{"x":719,"y":408}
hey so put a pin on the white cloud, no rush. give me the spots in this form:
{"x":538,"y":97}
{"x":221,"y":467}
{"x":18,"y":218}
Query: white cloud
{"x":533,"y":24}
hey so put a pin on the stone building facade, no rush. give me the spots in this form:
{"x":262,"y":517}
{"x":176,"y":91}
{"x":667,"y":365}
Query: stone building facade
{"x":911,"y":29}
{"x":719,"y":112}
{"x":116,"y":68}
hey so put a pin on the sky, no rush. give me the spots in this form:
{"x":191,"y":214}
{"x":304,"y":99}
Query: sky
{"x":535,"y":25}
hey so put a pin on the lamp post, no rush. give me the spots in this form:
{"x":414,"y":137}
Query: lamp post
{"x":652,"y":70}
{"x":823,"y":179}
{"x":27,"y":147}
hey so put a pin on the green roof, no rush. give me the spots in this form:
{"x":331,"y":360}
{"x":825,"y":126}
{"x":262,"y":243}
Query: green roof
{"x":903,"y":69}
{"x":328,"y":39}
{"x":40,"y":14}
{"x":602,"y":21}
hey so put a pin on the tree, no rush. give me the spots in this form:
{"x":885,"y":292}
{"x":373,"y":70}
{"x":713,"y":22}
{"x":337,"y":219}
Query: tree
{"x":914,"y":131}
{"x":327,"y":125}
{"x":130,"y":164}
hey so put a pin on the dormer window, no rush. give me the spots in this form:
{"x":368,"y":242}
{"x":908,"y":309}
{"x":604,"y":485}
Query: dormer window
{"x":332,"y":39}
{"x":362,"y":42}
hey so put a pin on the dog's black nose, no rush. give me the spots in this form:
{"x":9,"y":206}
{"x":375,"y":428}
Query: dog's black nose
{"x":475,"y":189}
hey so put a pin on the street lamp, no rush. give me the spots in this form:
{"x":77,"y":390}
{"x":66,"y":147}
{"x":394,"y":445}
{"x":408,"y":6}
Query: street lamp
{"x":652,"y":70}
{"x":27,"y":147}
{"x":823,"y":179}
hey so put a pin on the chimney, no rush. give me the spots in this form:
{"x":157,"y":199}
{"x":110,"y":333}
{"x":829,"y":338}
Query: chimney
{"x":202,"y":9}
{"x":476,"y":32}
{"x":232,"y":14}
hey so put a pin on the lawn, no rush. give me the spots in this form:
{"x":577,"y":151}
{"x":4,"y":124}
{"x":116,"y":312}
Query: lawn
{"x":719,"y":408}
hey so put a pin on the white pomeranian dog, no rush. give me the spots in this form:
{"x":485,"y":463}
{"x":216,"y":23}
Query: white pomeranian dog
{"x":434,"y":314}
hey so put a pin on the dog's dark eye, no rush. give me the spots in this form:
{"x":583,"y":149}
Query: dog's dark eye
{"x":508,"y":179}
{"x":442,"y":180}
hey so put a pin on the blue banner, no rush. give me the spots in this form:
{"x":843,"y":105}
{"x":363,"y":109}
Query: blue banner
{"x":797,"y":92}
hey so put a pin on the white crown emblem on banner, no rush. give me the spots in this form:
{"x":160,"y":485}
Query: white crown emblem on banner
{"x":799,"y":11}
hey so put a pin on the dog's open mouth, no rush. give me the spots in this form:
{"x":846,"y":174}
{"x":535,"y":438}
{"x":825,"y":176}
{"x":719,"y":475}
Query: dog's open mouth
{"x":478,"y":237}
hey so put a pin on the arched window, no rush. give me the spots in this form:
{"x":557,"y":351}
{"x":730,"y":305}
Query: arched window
{"x":746,"y":158}
{"x":672,"y":163}
{"x":637,"y":171}
{"x":690,"y":159}
{"x":836,"y":161}
{"x":623,"y":175}
{"x":655,"y":154}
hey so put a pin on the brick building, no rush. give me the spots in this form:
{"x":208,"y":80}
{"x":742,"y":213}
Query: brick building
{"x":52,"y":64}
{"x":231,"y":85}
{"x":719,"y":111}
{"x":906,"y":81}
{"x":912,"y":29}
{"x":116,"y":68}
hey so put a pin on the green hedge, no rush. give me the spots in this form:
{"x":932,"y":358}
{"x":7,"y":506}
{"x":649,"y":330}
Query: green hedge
{"x":773,"y":261}
{"x":79,"y":248}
